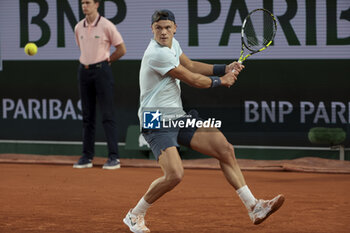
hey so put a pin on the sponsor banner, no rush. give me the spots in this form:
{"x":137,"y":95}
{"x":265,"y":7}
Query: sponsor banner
{"x":40,"y":109}
{"x":280,"y":112}
{"x":262,"y":112}
{"x":207,"y":29}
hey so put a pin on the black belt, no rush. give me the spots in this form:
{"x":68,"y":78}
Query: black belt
{"x":93,"y":66}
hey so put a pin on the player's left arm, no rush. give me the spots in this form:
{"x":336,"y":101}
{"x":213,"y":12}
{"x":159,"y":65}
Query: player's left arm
{"x":206,"y":69}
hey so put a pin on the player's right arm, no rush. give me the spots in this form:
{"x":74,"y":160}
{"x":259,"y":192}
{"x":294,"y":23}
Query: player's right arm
{"x":206,"y":69}
{"x":198,"y":80}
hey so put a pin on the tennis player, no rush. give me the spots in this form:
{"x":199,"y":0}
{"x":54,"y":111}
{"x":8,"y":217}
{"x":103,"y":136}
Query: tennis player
{"x":163,"y":67}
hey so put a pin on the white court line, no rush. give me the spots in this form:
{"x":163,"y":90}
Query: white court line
{"x":286,"y":147}
{"x":123,"y":144}
{"x":55,"y":142}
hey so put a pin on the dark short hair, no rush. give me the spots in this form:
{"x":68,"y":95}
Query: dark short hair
{"x":99,"y":1}
{"x":163,"y":15}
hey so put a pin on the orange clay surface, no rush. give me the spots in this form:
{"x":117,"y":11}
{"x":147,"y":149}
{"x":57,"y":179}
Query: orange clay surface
{"x":58,"y":198}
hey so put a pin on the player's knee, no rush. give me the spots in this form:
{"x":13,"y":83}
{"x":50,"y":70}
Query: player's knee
{"x":227,"y":153}
{"x":175,"y":178}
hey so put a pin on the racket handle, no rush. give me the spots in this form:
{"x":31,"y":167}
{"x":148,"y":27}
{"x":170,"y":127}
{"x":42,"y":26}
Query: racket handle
{"x":240,"y":62}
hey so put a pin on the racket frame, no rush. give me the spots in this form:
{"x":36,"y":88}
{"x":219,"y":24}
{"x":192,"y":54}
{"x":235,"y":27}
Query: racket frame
{"x":242,"y":57}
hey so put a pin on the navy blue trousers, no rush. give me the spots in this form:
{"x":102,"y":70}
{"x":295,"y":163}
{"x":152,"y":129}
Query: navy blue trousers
{"x":96,"y":85}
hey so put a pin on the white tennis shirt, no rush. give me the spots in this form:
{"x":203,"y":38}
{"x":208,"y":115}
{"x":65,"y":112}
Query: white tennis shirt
{"x":160,"y":91}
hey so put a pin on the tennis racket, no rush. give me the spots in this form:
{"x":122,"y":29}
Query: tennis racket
{"x":258,"y":31}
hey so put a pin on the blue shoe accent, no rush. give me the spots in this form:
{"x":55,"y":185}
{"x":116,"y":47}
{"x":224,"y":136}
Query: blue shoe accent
{"x":83,"y":162}
{"x":112,"y":164}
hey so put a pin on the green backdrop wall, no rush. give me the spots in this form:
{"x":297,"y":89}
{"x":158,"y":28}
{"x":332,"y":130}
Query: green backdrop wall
{"x":274,"y":102}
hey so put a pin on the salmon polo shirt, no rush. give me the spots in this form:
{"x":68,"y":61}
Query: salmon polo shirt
{"x":96,"y":39}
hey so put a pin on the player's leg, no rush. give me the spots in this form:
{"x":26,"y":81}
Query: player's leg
{"x":212,"y":142}
{"x":171,"y":164}
{"x":163,"y":143}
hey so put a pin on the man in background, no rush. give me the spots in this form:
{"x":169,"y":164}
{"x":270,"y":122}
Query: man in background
{"x":95,"y":35}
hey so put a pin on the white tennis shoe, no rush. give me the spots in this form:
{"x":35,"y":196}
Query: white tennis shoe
{"x":264,"y":209}
{"x":136,"y":223}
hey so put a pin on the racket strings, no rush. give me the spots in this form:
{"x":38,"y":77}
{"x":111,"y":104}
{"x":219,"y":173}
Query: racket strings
{"x":259,"y":30}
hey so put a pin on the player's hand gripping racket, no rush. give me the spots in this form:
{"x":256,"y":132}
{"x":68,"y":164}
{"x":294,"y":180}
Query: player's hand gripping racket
{"x":258,"y":31}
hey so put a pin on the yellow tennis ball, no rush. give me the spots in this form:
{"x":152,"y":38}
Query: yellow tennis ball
{"x":31,"y":49}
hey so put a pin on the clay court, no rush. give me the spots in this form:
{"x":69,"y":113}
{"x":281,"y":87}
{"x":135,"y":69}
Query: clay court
{"x":42,"y":196}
